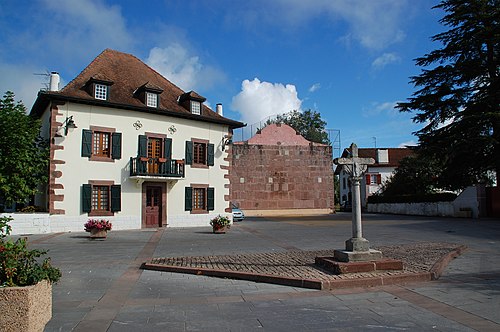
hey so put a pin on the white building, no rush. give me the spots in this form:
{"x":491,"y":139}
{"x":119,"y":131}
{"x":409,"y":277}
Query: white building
{"x":386,"y":162}
{"x":129,"y":146}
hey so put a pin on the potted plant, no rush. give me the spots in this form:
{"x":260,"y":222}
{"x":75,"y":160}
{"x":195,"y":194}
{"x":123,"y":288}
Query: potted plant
{"x":98,"y":228}
{"x":25,"y":284}
{"x":220,"y":224}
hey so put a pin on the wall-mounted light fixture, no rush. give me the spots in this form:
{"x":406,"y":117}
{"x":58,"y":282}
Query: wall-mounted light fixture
{"x":68,"y":124}
{"x":226,"y":140}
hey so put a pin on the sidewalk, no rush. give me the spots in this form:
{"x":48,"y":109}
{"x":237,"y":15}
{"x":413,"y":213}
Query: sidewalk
{"x":104,"y":289}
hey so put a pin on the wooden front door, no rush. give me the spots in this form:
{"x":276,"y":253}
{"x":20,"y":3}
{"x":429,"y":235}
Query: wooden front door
{"x":154,"y":153}
{"x":153,"y":206}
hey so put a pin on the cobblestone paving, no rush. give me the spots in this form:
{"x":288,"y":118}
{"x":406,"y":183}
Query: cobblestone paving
{"x":419,"y":257}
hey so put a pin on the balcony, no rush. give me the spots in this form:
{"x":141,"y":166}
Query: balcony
{"x":156,"y":168}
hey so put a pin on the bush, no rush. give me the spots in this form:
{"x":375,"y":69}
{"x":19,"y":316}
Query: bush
{"x":20,"y":266}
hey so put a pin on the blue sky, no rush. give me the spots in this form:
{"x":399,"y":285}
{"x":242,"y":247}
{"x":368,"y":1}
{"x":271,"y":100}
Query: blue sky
{"x":350,"y":60}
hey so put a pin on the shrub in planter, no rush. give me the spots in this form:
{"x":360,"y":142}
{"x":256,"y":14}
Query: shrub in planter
{"x":25,"y":284}
{"x":20,"y":266}
{"x":220,"y":222}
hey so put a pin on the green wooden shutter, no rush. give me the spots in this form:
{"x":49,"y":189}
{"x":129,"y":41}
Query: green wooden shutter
{"x":189,"y":153}
{"x":168,"y":148}
{"x":188,"y":199}
{"x":86,"y":197}
{"x":116,"y":198}
{"x":210,"y":155}
{"x":116,"y":148}
{"x":86,"y":143}
{"x":143,"y":146}
{"x":210,"y":199}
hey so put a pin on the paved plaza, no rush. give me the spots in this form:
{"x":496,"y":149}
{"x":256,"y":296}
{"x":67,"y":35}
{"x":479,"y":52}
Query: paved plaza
{"x":104,"y":289}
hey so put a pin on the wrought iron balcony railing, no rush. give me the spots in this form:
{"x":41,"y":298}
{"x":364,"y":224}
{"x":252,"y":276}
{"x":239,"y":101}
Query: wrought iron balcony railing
{"x":157,"y":167}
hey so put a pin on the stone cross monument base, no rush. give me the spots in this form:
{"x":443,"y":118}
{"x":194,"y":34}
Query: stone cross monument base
{"x":357,"y":250}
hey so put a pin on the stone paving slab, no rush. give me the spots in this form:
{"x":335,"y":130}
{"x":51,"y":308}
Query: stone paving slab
{"x":422,"y":262}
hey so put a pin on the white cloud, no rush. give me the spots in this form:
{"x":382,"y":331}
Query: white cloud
{"x":84,"y":28}
{"x":376,"y":108}
{"x":259,"y":100}
{"x":315,"y":87}
{"x":374,"y":24}
{"x":184,"y":70}
{"x":23,"y":82}
{"x":384,"y":60}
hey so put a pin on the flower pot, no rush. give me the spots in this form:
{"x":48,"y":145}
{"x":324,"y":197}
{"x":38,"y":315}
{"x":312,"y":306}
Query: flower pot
{"x":96,"y":233}
{"x":26,"y":308}
{"x":219,"y":230}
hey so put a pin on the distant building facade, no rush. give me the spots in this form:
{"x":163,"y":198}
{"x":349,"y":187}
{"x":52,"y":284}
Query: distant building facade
{"x":386,"y":162}
{"x":278,"y":170}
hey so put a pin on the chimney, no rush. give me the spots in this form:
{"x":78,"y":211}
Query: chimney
{"x":382,"y":156}
{"x":218,"y":107}
{"x":54,"y":81}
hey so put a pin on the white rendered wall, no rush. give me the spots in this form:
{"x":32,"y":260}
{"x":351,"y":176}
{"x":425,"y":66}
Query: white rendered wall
{"x":79,"y":170}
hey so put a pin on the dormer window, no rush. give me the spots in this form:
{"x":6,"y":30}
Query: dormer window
{"x":149,"y":94}
{"x":151,"y":99}
{"x":192,"y":102}
{"x":100,"y":91}
{"x":195,"y":107}
{"x":98,"y":86}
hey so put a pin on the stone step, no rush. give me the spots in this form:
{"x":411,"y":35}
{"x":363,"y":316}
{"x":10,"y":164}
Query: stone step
{"x":337,"y":267}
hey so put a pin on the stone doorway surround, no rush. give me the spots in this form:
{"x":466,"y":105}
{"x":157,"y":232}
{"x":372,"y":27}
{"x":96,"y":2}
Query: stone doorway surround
{"x":162,"y":218}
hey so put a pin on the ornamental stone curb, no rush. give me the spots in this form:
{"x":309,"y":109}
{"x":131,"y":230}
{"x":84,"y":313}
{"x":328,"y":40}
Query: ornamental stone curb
{"x":320,"y":280}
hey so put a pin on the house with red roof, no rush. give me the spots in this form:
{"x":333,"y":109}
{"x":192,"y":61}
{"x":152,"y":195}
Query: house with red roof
{"x":386,"y":162}
{"x":129,"y":146}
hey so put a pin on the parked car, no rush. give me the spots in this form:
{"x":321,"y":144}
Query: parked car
{"x":238,"y":215}
{"x":346,"y":206}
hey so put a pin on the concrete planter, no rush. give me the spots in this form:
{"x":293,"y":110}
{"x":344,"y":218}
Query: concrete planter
{"x":26,"y":308}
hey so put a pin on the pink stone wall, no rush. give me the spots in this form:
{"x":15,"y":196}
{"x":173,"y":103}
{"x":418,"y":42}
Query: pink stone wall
{"x":281,"y":177}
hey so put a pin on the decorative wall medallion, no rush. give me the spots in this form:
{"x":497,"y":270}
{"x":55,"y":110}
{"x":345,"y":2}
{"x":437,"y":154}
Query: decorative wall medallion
{"x":172,"y":129}
{"x":137,"y":125}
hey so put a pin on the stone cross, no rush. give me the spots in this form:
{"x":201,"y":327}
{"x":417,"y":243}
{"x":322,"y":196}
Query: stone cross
{"x":356,"y":167}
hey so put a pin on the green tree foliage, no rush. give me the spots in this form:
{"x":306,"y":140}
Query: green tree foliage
{"x":19,"y":265}
{"x":458,"y":96}
{"x":23,"y":154}
{"x":414,"y":176}
{"x":308,"y":123}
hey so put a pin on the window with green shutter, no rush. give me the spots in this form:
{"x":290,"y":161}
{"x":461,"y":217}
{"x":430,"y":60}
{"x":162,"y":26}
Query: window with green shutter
{"x":116,"y":140}
{"x":86,"y":143}
{"x":210,"y":199}
{"x":167,"y":146}
{"x":200,"y":153}
{"x":116,"y":198}
{"x":101,"y":144}
{"x":101,"y":198}
{"x":211,"y":155}
{"x":86,"y":198}
{"x":188,"y":199}
{"x":142,"y":150}
{"x":189,"y":153}
{"x":199,"y":198}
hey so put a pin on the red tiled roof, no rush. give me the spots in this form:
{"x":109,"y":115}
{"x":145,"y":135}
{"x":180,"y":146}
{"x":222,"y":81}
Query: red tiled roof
{"x":395,"y":155}
{"x":128,"y":73}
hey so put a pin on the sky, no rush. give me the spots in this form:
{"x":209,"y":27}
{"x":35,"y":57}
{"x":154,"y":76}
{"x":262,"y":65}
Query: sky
{"x":349,"y":60}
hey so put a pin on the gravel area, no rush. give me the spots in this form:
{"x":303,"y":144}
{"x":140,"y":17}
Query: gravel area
{"x":417,"y":258}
